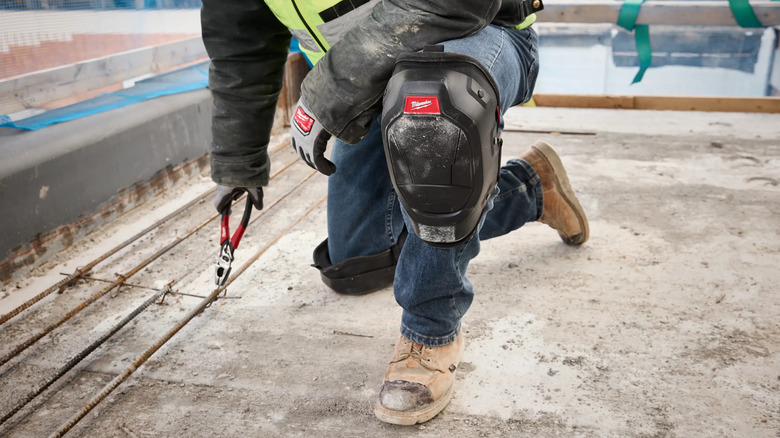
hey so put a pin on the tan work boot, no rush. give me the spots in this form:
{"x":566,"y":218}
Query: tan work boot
{"x":562,"y":211}
{"x":418,"y":382}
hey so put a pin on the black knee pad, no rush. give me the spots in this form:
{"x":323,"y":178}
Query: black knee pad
{"x":359,"y":275}
{"x":440,"y":131}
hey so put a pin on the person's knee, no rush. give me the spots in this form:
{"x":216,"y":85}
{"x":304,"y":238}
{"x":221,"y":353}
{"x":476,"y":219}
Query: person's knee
{"x":440,"y":131}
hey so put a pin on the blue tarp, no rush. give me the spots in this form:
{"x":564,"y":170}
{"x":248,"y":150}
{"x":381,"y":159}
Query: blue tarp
{"x":179,"y":81}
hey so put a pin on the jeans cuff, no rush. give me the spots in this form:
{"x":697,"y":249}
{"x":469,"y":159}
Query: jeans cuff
{"x":430,"y":341}
{"x":535,"y":183}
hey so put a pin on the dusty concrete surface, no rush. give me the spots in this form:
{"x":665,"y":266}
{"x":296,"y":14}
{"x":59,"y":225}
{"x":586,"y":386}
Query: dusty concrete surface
{"x":665,"y":324}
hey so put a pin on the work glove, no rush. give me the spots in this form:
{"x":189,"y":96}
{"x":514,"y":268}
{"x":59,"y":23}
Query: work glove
{"x":309,"y":139}
{"x":226,"y":195}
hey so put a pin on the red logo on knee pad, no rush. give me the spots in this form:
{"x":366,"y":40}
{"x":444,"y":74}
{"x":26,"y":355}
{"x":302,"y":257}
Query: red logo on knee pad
{"x":421,"y":105}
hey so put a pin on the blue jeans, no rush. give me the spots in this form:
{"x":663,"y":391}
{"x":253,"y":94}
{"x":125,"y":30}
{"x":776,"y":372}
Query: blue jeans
{"x":365,"y":217}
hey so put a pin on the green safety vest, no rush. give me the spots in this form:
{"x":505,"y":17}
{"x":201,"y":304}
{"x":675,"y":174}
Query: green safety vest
{"x":318,"y":24}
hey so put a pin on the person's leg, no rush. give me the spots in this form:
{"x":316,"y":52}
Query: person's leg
{"x":430,"y":282}
{"x":520,"y":197}
{"x":363,"y":211}
{"x":534,"y":186}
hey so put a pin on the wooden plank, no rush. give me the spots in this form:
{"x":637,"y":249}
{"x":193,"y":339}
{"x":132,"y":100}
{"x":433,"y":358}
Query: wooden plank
{"x":584,"y":101}
{"x":294,"y":72}
{"x":674,"y":103}
{"x":697,"y":12}
{"x":35,"y":89}
{"x":716,"y":104}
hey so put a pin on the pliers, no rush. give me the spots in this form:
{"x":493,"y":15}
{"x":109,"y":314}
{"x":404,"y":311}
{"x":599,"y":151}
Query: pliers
{"x":229,"y":244}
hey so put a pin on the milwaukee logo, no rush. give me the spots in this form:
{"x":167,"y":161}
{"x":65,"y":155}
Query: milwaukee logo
{"x":421,"y":105}
{"x":303,"y":122}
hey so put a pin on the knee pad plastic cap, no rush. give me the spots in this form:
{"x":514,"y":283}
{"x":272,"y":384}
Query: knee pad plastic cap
{"x":440,"y":131}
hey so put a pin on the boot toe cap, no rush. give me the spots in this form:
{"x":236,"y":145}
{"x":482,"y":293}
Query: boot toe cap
{"x":400,"y":395}
{"x":574,"y":240}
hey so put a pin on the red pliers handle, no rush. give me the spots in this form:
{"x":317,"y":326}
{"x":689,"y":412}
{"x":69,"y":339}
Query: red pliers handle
{"x":229,"y":244}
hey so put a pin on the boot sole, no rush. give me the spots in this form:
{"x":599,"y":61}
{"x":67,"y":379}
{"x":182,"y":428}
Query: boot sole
{"x":408,"y":418}
{"x":564,"y":187}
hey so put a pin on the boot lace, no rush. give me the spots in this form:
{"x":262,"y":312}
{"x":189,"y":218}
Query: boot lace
{"x":417,"y":353}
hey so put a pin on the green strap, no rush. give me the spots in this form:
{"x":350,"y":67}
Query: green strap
{"x":744,"y":14}
{"x":627,"y":20}
{"x":628,"y":13}
{"x":642,"y":38}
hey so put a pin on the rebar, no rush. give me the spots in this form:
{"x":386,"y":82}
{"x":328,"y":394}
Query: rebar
{"x":199,"y":308}
{"x":160,"y":293}
{"x":78,"y":273}
{"x":84,"y":353}
{"x":122,"y":278}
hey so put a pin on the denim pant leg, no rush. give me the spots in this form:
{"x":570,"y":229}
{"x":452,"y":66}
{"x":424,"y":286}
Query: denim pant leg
{"x":364,"y":215}
{"x":519,"y":200}
{"x":520,"y":192}
{"x":430,"y":282}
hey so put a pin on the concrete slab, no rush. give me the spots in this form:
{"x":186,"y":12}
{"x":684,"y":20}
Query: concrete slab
{"x":663,"y":324}
{"x":58,"y":183}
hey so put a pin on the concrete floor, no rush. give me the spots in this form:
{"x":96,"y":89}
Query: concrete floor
{"x":664,"y":324}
